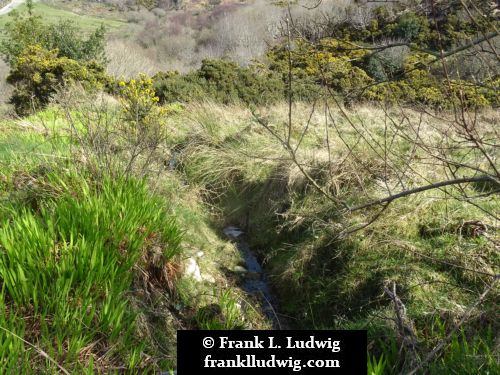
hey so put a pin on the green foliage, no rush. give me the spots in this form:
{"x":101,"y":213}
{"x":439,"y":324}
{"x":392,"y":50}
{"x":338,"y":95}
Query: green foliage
{"x":173,"y":87}
{"x":20,"y":33}
{"x":352,"y":73}
{"x":38,"y":73}
{"x":468,"y":355}
{"x":222,"y":81}
{"x":327,"y":63}
{"x":412,"y":27}
{"x":69,"y":41}
{"x":221,"y":315}
{"x":421,"y":86}
{"x":69,"y":264}
{"x":28,"y":29}
{"x":227,"y":82}
{"x":139,"y":101}
{"x":312,"y":269}
{"x":376,"y":367}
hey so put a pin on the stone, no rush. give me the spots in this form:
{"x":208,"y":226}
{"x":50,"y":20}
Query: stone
{"x":192,"y":269}
{"x":240,"y":269}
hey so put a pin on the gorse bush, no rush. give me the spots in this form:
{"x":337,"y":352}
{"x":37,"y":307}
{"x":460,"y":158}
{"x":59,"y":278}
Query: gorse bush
{"x":420,"y":86}
{"x":38,"y":73}
{"x":70,"y":265}
{"x":172,"y":87}
{"x":359,"y":75}
{"x":328,"y":63}
{"x":222,"y":81}
{"x":123,"y":138}
{"x":227,"y":82}
{"x":45,"y":57}
{"x":138,"y":100}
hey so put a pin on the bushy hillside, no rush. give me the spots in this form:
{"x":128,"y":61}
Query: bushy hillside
{"x":353,"y":148}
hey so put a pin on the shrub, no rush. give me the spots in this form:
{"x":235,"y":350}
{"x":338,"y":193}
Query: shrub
{"x":38,"y":73}
{"x":386,"y":64}
{"x":222,"y":81}
{"x":329,"y":63}
{"x":139,"y":101}
{"x":69,"y":40}
{"x":121,"y":139}
{"x":412,"y":27}
{"x":227,"y":82}
{"x":352,"y":72}
{"x":174,"y":87}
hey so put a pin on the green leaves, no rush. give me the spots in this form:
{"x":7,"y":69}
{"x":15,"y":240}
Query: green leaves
{"x":29,"y":29}
{"x":70,"y":266}
{"x":222,"y":81}
{"x":44,"y":57}
{"x":38,"y":73}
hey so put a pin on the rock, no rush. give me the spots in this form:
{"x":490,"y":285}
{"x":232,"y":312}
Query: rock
{"x":240,"y":270}
{"x":209,"y":278}
{"x":192,"y":269}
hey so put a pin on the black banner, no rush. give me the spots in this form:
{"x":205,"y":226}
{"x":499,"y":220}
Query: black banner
{"x":271,"y":352}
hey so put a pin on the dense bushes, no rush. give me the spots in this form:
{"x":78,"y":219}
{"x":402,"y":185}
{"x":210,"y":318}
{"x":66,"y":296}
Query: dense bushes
{"x":328,"y":63}
{"x":354,"y":74}
{"x":45,"y":57}
{"x":38,"y":73}
{"x":220,"y":80}
{"x":69,"y":40}
{"x":341,"y":64}
{"x":393,"y":74}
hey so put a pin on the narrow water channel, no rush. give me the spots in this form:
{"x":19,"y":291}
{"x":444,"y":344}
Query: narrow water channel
{"x":255,"y":281}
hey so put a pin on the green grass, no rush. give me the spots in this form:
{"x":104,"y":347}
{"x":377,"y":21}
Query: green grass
{"x":76,"y":251}
{"x":325,"y":282}
{"x":69,"y":251}
{"x":93,"y":261}
{"x":52,"y":14}
{"x":469,"y":356}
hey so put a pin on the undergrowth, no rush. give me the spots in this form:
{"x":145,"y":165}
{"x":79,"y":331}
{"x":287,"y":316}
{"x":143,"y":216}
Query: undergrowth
{"x":70,"y":255}
{"x":91,"y":265}
{"x":427,"y":244}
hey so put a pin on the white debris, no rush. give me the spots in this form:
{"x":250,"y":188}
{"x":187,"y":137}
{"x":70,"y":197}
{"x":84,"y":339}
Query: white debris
{"x":209,"y":278}
{"x":233,"y":232}
{"x":193,"y":269}
{"x":240,"y":269}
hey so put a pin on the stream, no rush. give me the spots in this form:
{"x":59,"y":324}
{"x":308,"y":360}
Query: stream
{"x":255,"y":281}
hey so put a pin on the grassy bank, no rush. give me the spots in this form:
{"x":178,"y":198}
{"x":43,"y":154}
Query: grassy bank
{"x":98,"y":272}
{"x":424,"y":246}
{"x":95,"y":269}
